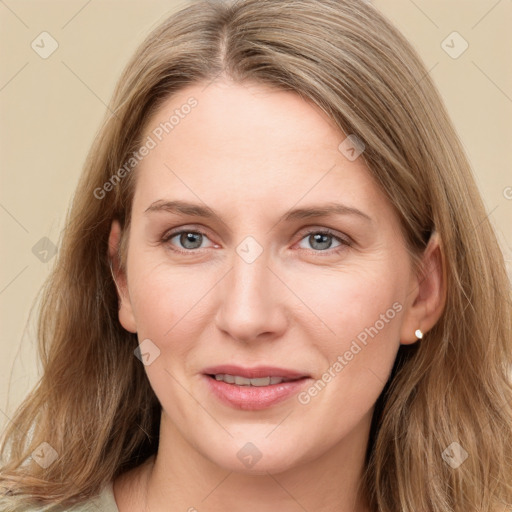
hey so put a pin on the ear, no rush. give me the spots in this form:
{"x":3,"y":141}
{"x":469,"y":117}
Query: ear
{"x":427,"y":293}
{"x":126,"y":316}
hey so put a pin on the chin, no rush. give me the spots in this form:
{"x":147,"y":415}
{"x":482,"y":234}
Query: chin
{"x":263,"y":467}
{"x":257,"y":458}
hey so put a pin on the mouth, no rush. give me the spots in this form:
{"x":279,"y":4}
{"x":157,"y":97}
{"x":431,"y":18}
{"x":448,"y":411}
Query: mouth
{"x":238,"y":380}
{"x":253,"y":388}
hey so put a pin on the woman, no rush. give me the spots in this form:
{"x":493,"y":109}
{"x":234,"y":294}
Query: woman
{"x":278,"y":287}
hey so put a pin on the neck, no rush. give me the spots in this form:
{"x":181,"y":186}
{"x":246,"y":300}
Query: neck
{"x":181,"y":478}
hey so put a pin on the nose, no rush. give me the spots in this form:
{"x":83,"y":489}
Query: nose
{"x":252,"y":301}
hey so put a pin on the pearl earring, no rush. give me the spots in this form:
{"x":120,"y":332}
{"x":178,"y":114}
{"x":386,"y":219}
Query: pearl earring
{"x":419,"y":334}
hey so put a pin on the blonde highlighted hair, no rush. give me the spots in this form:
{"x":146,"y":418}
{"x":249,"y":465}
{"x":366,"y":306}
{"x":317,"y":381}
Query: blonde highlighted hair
{"x":94,"y":404}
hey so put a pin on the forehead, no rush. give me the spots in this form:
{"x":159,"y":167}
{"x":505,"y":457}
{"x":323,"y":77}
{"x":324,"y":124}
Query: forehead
{"x":251,"y":145}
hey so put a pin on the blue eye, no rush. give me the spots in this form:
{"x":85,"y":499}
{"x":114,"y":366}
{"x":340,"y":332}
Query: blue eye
{"x":321,"y":241}
{"x":189,"y":240}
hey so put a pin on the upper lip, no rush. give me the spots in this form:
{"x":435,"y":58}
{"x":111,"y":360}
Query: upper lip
{"x":255,"y":372}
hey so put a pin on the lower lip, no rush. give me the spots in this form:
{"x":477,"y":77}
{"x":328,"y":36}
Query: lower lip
{"x":252,"y":398}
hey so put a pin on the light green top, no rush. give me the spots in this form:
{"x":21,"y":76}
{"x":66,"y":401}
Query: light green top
{"x":103,"y":502}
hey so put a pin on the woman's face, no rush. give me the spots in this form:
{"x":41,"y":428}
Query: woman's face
{"x":255,"y":290}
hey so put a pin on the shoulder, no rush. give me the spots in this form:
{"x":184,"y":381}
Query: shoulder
{"x":104,"y":502}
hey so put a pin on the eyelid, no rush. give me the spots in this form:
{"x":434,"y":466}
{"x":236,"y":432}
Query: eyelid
{"x":168,"y":235}
{"x":327,"y":231}
{"x":345,"y":240}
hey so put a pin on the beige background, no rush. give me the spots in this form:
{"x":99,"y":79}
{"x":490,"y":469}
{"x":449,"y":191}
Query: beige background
{"x":50,"y":109}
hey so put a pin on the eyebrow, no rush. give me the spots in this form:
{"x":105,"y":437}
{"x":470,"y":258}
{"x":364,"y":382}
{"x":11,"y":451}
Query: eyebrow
{"x":197,"y":210}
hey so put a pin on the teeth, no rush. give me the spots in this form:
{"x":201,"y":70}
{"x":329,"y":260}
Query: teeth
{"x":263,"y":381}
{"x":243,"y":381}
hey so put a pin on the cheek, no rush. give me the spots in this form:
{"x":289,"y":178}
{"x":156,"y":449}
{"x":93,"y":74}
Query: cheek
{"x":358,"y":345}
{"x":169,"y":307}
{"x":335,"y":307}
{"x":357,"y":318}
{"x":165,"y":297}
{"x":348,"y":303}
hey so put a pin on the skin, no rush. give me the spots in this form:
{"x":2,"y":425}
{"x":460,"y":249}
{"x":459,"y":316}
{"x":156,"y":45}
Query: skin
{"x":251,"y":154}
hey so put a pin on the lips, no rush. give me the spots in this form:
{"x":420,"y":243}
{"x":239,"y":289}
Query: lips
{"x":254,"y":373}
{"x":253,"y":388}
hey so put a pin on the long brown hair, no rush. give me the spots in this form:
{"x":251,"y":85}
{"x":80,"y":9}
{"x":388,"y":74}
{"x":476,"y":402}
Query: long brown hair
{"x":452,"y":391}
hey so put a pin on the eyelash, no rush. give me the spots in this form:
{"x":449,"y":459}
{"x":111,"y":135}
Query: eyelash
{"x":344,"y":242}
